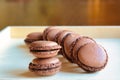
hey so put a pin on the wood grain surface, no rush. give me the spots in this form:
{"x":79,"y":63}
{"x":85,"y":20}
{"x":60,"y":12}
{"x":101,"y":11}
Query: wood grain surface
{"x":59,"y":12}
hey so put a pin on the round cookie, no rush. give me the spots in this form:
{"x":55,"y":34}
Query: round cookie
{"x":68,"y":44}
{"x":44,"y":49}
{"x":92,"y":57}
{"x":34,"y":36}
{"x":78,"y":43}
{"x":60,"y":39}
{"x":52,"y":34}
{"x":62,"y":36}
{"x":46,"y":31}
{"x":45,"y":67}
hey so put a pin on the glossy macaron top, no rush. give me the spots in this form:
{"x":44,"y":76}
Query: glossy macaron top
{"x":44,"y":45}
{"x":92,"y":55}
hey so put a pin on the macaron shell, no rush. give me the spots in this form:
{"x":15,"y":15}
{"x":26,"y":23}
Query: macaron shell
{"x":67,"y":45}
{"x":45,"y":61}
{"x":57,"y":36}
{"x":62,"y":35}
{"x":79,"y":43}
{"x":46,"y":31}
{"x":35,"y":35}
{"x":45,"y":54}
{"x":92,"y":55}
{"x":51,"y":35}
{"x":44,"y":45}
{"x":46,"y":72}
{"x":44,"y":66}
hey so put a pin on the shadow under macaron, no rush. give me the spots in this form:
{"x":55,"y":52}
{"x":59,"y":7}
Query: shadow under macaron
{"x":70,"y":67}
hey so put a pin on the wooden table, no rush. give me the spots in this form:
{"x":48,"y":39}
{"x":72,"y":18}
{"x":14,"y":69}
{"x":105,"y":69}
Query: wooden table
{"x":59,"y":12}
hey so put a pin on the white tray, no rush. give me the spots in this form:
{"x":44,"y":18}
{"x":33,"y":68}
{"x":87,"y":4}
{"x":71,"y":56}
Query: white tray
{"x":15,"y":56}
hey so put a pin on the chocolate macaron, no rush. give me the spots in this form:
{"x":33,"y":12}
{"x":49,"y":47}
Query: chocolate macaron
{"x":44,"y":49}
{"x":62,"y":35}
{"x":78,"y":43}
{"x":47,"y":30}
{"x":68,"y":45}
{"x":52,"y":34}
{"x":34,"y":36}
{"x":92,"y":57}
{"x":45,"y":67}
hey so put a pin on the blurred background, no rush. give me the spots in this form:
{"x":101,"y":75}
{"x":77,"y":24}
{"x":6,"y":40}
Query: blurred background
{"x":59,"y":12}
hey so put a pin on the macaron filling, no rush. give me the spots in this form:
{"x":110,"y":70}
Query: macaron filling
{"x":43,"y":50}
{"x":43,"y":67}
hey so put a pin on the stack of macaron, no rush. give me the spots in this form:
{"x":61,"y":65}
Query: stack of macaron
{"x":82,"y":50}
{"x":45,"y":63}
